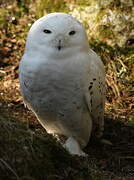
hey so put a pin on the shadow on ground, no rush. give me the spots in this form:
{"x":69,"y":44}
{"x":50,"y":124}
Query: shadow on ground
{"x":28,"y":152}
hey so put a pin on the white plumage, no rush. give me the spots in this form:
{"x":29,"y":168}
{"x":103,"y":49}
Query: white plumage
{"x":62,"y":80}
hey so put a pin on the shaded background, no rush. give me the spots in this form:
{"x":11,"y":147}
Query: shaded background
{"x":110,"y":29}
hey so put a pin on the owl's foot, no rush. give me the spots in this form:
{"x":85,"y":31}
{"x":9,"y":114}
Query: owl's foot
{"x":97,"y":131}
{"x":73,"y":147}
{"x":99,"y":134}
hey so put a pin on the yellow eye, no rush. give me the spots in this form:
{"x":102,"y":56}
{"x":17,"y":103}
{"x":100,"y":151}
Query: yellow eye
{"x":47,"y":31}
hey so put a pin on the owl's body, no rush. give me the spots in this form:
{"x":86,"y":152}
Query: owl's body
{"x":62,"y":81}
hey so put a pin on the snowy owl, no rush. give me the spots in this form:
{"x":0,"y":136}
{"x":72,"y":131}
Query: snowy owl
{"x":62,"y":80}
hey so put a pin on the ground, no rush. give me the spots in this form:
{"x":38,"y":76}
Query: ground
{"x":27,"y":152}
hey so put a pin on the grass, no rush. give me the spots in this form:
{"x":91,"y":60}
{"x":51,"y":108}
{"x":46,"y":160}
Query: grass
{"x":27,"y":152}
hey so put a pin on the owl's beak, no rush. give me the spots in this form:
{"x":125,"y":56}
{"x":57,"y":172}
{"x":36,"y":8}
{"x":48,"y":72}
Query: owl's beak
{"x":59,"y":48}
{"x":59,"y":45}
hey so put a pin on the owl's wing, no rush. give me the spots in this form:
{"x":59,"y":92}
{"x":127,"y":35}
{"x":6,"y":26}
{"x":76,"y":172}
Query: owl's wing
{"x":95,"y":90}
{"x":29,"y":84}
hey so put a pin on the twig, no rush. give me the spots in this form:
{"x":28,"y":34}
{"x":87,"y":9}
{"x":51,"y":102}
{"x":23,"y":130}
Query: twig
{"x":7,"y":165}
{"x":121,"y":62}
{"x":127,"y":157}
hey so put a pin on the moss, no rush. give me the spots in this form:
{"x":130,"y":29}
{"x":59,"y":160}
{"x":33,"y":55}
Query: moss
{"x":100,"y":15}
{"x":83,"y":3}
{"x":48,"y":6}
{"x":105,"y":31}
{"x":35,"y":154}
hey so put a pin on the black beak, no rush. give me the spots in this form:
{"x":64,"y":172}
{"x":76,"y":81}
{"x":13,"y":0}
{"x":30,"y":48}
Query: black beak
{"x":59,"y":46}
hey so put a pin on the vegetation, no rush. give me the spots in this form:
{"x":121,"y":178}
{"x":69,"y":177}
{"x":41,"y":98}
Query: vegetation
{"x":27,"y":152}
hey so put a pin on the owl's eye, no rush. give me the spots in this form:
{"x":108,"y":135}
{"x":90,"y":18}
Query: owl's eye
{"x":47,"y":31}
{"x":72,"y":33}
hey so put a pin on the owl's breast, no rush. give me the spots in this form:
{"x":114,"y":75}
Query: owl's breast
{"x":54,"y":89}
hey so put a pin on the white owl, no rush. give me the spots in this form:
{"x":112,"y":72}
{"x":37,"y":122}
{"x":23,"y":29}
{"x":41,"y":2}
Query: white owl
{"x":63,"y":81}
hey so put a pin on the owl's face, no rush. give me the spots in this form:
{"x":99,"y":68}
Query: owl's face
{"x":57,"y":32}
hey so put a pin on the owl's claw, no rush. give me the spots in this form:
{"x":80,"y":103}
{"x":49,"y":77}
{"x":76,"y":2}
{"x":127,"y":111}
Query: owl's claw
{"x":73,"y":147}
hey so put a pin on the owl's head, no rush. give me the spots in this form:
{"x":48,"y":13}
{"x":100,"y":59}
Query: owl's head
{"x":57,"y":33}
